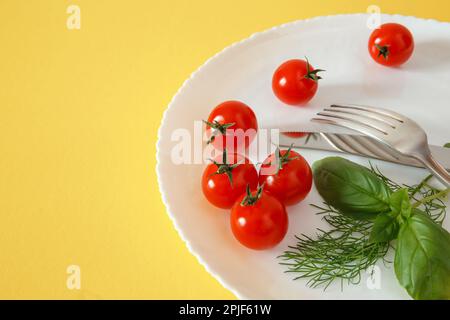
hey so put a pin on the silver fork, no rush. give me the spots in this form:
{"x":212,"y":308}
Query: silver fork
{"x":399,"y":133}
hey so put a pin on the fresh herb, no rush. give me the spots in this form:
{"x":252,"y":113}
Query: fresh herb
{"x":351,"y":188}
{"x":422,"y":258}
{"x":419,"y":193}
{"x":429,"y":199}
{"x":339,"y":254}
{"x":387,"y":224}
{"x":366,"y":210}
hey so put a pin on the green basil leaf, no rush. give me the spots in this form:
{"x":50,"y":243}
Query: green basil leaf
{"x":385,"y":227}
{"x":350,"y":188}
{"x":400,"y":203}
{"x":422,"y":258}
{"x":387,"y":224}
{"x":447,"y":145}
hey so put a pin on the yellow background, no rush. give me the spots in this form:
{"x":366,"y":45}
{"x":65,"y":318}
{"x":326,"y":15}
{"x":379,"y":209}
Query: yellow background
{"x":79,"y":114}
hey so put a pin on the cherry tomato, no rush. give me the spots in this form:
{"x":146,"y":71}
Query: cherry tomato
{"x":231,"y":125}
{"x":226,"y":179}
{"x":391,"y":45}
{"x":295,"y":134}
{"x":258,"y":220}
{"x":295,"y":82}
{"x":287,"y":176}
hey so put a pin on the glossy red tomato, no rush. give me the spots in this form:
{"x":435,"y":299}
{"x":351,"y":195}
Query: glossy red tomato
{"x":289,"y":179}
{"x":258,"y":220}
{"x":231,"y":125}
{"x":391,"y":45}
{"x":226,"y":179}
{"x":295,"y":82}
{"x":295,"y":134}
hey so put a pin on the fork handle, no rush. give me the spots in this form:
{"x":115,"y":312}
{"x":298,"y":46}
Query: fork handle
{"x":435,"y":167}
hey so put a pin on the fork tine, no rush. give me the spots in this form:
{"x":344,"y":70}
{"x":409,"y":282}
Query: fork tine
{"x":385,"y":112}
{"x":369,"y":115}
{"x":362,"y":121}
{"x":367,"y":146}
{"x":377,"y":148}
{"x":353,"y":143}
{"x":335,"y":140}
{"x":374,"y":133}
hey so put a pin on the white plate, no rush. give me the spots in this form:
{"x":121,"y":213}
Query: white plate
{"x":419,"y":89}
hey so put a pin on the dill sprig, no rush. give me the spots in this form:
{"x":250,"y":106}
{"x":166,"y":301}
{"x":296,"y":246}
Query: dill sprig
{"x":435,"y":208}
{"x":341,"y":253}
{"x":344,"y":252}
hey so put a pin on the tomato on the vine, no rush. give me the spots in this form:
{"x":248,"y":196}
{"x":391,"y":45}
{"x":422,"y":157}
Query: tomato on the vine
{"x":391,"y":44}
{"x":226,"y":178}
{"x":287,"y":176}
{"x":258,"y":220}
{"x":295,"y":81}
{"x":232,"y":125}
